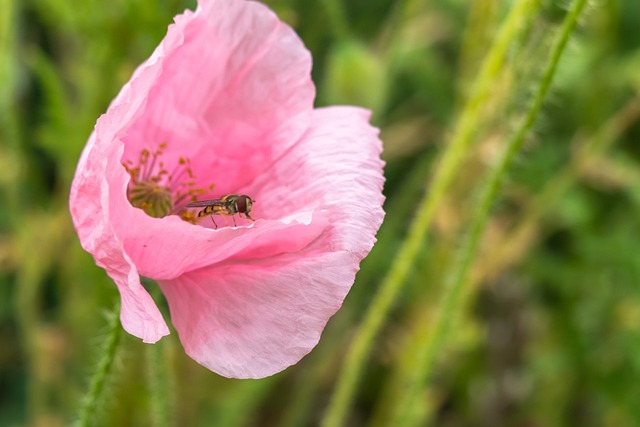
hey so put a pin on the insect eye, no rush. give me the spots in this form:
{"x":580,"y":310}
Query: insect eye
{"x":241,"y":203}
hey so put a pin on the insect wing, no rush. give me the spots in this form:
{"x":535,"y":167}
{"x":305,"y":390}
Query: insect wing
{"x":205,"y":203}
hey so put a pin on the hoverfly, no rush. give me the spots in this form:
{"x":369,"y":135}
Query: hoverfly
{"x":228,"y":205}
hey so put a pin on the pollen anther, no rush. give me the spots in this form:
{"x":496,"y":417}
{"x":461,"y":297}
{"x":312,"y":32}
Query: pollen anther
{"x":159,"y":192}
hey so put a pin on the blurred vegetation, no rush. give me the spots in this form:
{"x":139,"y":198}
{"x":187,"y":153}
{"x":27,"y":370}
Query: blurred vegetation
{"x":548,"y":331}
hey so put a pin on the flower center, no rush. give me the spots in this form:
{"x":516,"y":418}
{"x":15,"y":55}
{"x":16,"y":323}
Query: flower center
{"x":159,"y":192}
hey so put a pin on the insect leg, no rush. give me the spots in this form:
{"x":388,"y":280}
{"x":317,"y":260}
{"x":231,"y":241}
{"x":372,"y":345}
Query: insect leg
{"x":214,"y":222}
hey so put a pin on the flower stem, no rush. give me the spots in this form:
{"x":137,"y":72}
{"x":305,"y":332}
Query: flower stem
{"x":98,"y":380}
{"x":511,"y":249}
{"x":158,"y":370}
{"x":455,"y":291}
{"x":158,"y":385}
{"x":447,"y":167}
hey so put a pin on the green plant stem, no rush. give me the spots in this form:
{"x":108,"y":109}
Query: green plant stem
{"x":455,"y":289}
{"x":158,"y":385}
{"x":446,"y":170}
{"x":103,"y":369}
{"x":158,"y":370}
{"x":509,"y":250}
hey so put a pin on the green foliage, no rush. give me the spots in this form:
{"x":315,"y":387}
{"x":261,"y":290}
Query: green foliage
{"x":547,"y":326}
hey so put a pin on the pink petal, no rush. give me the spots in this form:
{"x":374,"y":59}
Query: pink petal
{"x":234,"y":93}
{"x":253,"y":317}
{"x":169,"y":247}
{"x":139,"y":314}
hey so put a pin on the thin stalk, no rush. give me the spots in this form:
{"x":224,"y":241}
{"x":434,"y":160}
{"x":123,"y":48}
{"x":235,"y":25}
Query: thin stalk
{"x":158,"y":371}
{"x":456,"y":285}
{"x":509,"y":249}
{"x":103,"y":370}
{"x":158,"y":384}
{"x":448,"y":166}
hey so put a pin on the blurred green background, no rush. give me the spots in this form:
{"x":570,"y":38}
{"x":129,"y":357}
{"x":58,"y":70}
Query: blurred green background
{"x":548,"y":331}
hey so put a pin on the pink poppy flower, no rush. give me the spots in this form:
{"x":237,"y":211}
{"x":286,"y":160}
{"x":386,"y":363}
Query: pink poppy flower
{"x":225,"y":106}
